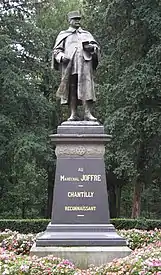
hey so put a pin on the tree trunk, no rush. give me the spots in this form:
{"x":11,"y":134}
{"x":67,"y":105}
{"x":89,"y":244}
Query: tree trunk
{"x":136,"y":208}
{"x":118,"y":198}
{"x":51,"y":179}
{"x":112,"y":202}
{"x":111,"y":194}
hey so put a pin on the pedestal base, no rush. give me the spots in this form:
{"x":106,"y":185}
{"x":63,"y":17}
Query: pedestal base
{"x":83,"y":256}
{"x":80,"y":228}
{"x":80,"y":235}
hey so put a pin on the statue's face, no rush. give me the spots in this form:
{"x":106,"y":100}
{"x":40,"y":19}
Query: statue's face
{"x":75,"y":22}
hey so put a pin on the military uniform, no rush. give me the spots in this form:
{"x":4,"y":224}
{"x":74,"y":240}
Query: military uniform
{"x":79,"y":72}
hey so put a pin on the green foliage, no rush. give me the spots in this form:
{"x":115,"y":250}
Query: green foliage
{"x":129,"y":84}
{"x":24,"y":226}
{"x":143,"y":224}
{"x":25,"y":112}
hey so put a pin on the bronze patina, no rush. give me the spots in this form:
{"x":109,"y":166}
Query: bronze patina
{"x":75,"y":54}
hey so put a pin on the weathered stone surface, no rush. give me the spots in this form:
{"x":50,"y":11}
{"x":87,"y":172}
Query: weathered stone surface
{"x":84,"y":256}
{"x":81,"y":123}
{"x":75,"y":150}
{"x":80,"y":127}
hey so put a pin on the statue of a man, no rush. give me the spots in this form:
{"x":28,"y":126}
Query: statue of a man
{"x":76,"y":54}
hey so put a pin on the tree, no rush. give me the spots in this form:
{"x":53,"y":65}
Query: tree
{"x":129,"y":81}
{"x":24,"y":111}
{"x":29,"y":111}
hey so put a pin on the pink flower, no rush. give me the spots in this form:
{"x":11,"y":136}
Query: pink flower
{"x":153,"y":262}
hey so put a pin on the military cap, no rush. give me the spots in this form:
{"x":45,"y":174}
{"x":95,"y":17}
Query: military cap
{"x":74,"y":14}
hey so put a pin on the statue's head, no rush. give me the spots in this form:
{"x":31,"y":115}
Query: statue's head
{"x":74,"y":18}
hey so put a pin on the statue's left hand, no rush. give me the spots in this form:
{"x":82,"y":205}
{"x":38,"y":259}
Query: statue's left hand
{"x":65,"y":60}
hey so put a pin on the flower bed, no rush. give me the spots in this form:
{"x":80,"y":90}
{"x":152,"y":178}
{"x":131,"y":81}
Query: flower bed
{"x":22,"y":243}
{"x":5,"y":234}
{"x":16,"y":242}
{"x":15,"y":247}
{"x":139,"y":238}
{"x":12,"y":264}
{"x":144,"y":261}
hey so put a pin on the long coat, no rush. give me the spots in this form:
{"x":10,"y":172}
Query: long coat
{"x":69,"y":43}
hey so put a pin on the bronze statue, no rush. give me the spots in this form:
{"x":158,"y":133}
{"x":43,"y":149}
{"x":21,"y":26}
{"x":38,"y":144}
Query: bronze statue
{"x":75,"y":54}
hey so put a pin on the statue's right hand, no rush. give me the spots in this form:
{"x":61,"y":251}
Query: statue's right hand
{"x":65,"y":60}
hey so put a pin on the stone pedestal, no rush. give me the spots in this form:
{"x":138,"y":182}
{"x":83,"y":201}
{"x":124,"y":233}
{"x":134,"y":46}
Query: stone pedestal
{"x":80,"y":225}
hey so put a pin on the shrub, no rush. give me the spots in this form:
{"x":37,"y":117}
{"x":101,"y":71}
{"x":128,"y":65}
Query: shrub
{"x":24,"y":226}
{"x":136,"y":223}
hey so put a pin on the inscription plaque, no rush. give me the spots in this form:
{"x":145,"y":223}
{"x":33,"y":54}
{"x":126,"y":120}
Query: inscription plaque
{"x":80,"y":194}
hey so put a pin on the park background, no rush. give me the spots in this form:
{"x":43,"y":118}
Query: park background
{"x":128,"y":89}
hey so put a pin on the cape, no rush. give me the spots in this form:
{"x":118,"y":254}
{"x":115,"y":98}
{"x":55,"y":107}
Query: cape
{"x":63,"y":35}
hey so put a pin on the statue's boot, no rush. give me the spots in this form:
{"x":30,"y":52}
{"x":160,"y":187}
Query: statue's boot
{"x":87,"y":112}
{"x":73,"y":117}
{"x":73,"y":105}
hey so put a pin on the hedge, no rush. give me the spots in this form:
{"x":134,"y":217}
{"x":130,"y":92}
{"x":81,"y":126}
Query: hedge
{"x":38,"y":225}
{"x":143,"y":224}
{"x":24,"y":226}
